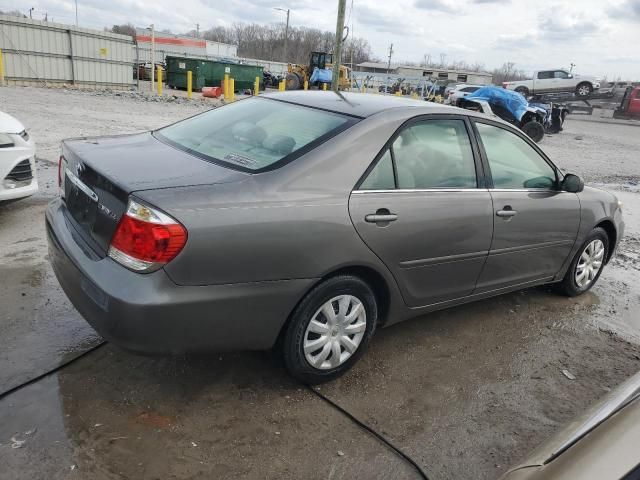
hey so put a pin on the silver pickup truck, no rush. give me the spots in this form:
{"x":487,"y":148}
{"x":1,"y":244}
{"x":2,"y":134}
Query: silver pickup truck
{"x":555,"y":81}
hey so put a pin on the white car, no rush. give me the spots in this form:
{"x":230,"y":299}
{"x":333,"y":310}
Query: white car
{"x":17,"y":160}
{"x":459,"y":92}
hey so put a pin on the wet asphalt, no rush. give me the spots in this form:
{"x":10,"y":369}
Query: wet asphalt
{"x":465,"y":392}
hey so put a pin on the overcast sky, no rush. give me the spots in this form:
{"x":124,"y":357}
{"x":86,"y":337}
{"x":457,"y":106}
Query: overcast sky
{"x":601,"y":37}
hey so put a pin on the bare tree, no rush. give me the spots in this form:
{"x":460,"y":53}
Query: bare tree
{"x":267,"y":42}
{"x":124,"y":29}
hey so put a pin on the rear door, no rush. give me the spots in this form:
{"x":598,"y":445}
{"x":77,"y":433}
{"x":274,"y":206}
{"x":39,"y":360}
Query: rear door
{"x":535,"y":224}
{"x":423,"y":209}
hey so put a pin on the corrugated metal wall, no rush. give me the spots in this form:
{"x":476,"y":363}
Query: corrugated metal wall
{"x":37,"y":53}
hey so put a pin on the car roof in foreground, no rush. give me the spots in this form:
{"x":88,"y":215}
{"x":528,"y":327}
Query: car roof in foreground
{"x":360,"y":105}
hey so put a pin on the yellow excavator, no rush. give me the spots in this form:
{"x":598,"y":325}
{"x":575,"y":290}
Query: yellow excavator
{"x":297,"y":74}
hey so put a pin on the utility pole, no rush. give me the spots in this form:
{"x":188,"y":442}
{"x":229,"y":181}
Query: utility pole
{"x":286,"y":32}
{"x":337,"y":55}
{"x":197,"y":30}
{"x":76,"y":13}
{"x":153,"y":55}
{"x":390,"y":53}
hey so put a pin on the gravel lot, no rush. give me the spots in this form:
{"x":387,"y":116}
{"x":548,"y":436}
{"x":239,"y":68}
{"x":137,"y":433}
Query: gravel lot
{"x":465,"y":392}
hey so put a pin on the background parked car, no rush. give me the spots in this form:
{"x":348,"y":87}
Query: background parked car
{"x":460,"y":91}
{"x":17,"y":160}
{"x":601,"y":444}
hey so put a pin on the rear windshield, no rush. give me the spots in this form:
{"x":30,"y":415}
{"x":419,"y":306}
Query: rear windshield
{"x":254,"y":134}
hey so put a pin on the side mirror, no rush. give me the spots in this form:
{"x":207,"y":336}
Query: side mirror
{"x":570,"y":76}
{"x":572,"y":183}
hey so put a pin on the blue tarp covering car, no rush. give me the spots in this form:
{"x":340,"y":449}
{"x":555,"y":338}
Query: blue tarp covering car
{"x":512,"y":101}
{"x":511,"y":107}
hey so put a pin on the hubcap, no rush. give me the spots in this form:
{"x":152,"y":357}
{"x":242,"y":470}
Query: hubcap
{"x":589,"y":263}
{"x":335,"y":332}
{"x":583,"y":90}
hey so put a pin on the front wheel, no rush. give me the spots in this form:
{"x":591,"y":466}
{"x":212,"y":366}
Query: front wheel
{"x":586,"y":266}
{"x":584,"y":89}
{"x":330,"y":329}
{"x":535,"y":130}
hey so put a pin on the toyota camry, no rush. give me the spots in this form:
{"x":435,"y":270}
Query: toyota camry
{"x":307,"y":220}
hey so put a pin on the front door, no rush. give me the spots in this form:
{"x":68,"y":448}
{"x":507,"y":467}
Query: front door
{"x":421,"y":211}
{"x":535,"y":224}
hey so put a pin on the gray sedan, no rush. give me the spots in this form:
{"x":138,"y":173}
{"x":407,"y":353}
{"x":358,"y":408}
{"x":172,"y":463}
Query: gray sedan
{"x":308,"y":219}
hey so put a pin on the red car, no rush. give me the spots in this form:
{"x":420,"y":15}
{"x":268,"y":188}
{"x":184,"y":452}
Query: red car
{"x":630,"y":106}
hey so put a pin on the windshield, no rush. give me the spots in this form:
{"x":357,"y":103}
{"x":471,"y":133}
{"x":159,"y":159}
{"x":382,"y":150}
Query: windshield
{"x":254,"y":134}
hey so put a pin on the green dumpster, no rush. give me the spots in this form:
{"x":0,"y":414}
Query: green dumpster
{"x":176,"y":72}
{"x":244,"y":76}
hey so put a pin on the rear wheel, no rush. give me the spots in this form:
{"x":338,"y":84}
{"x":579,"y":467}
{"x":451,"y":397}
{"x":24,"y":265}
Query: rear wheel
{"x":330,"y":329}
{"x":586,"y":266}
{"x":535,"y":130}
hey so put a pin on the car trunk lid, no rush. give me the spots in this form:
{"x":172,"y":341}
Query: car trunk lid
{"x":100,"y":173}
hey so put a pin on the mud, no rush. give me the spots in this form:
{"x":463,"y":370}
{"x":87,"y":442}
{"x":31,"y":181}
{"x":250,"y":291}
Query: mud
{"x":466,"y":392}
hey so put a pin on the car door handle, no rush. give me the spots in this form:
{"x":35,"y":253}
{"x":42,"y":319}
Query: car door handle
{"x":374,"y":218}
{"x":506,"y":213}
{"x":382,"y":215}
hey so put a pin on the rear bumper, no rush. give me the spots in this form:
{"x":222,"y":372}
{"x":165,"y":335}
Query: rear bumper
{"x":151,"y":314}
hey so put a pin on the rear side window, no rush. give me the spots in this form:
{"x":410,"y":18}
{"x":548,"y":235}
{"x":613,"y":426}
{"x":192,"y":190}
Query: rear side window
{"x":545,"y":75}
{"x":513,"y":162}
{"x":254,"y":134}
{"x":381,"y":177}
{"x":435,"y":154}
{"x":425,"y":155}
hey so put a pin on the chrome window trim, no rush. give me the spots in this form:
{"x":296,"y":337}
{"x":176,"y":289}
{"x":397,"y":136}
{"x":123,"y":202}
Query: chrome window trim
{"x":418,"y":190}
{"x":540,"y":190}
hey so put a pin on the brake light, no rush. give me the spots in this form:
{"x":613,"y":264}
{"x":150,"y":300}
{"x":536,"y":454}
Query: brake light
{"x":62,"y":165}
{"x":60,"y":171}
{"x":146,"y":239}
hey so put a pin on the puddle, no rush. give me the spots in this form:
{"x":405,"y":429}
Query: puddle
{"x":39,"y":328}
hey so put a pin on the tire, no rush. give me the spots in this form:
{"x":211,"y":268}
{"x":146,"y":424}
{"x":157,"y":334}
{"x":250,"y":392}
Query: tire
{"x":523,"y":91}
{"x":292,"y":82}
{"x":569,"y":285}
{"x":584,"y":89}
{"x":312,"y":306}
{"x":535,"y":130}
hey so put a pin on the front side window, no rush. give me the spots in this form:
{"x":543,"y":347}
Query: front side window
{"x":252,"y":134}
{"x":513,"y":162}
{"x":561,"y":74}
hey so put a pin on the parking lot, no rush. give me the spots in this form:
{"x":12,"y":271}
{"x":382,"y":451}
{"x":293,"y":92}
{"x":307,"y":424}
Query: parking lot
{"x":464,"y":392}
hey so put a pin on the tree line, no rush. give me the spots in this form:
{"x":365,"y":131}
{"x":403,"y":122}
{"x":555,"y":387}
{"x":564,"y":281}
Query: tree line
{"x":266,"y":42}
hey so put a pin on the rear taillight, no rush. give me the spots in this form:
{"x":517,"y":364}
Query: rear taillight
{"x":146,"y":239}
{"x":62,"y":166}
